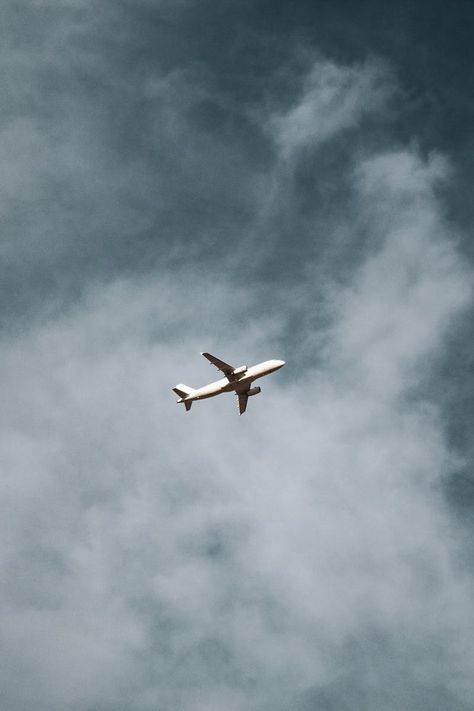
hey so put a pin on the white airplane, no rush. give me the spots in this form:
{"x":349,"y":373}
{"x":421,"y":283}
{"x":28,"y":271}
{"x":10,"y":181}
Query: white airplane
{"x":238,"y":380}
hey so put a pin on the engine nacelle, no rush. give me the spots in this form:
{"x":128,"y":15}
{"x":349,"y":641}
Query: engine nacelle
{"x":254,"y":391}
{"x":240,"y":371}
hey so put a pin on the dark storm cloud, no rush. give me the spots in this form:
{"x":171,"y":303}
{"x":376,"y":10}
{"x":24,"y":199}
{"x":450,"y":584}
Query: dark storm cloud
{"x":106,"y":167}
{"x":255,"y":180}
{"x":135,"y":131}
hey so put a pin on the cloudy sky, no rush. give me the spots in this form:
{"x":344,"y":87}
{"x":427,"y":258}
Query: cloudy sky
{"x":258,"y":179}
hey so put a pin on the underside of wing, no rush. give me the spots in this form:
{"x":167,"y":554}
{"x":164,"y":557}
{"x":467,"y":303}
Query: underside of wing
{"x":220,"y":364}
{"x":243,"y":398}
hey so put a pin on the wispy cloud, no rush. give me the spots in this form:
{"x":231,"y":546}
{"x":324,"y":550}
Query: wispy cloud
{"x":334,"y":98}
{"x":300,"y":554}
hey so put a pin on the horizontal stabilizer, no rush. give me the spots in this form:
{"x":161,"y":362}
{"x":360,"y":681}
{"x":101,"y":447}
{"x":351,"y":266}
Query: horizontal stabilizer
{"x":183,"y":390}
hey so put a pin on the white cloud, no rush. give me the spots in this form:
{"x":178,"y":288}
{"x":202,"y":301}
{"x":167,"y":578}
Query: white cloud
{"x":154,"y":558}
{"x":334,"y":98}
{"x":223,"y":549}
{"x":406,"y":293}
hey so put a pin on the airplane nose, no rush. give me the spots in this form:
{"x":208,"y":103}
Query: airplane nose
{"x":280,"y":363}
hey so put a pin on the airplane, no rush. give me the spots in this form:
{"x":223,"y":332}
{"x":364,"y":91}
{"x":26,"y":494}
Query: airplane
{"x":238,"y":380}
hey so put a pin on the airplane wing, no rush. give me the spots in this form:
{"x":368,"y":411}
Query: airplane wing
{"x":242,"y":394}
{"x":220,"y":364}
{"x":243,"y":399}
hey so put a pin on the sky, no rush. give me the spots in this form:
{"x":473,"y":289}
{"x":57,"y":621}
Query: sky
{"x":258,"y":180}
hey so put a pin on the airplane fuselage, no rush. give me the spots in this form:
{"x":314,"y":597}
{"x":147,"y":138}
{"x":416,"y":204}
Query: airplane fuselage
{"x":238,"y":382}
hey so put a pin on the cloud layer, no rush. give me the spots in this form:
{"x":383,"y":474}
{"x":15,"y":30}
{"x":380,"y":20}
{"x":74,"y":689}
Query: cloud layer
{"x":301,"y":556}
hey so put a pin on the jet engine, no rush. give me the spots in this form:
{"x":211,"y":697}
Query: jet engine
{"x":240,"y":371}
{"x":254,"y":391}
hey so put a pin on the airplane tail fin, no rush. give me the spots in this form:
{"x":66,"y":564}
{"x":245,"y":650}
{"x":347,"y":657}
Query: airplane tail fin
{"x":184,"y":391}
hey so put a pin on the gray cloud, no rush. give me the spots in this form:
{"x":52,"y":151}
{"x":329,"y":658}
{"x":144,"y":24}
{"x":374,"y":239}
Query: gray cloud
{"x":334,"y":98}
{"x":301,"y":556}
